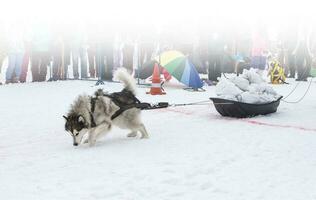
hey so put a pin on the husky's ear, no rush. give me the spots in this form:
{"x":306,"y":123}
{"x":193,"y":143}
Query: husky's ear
{"x":80,"y":119}
{"x":66,"y":118}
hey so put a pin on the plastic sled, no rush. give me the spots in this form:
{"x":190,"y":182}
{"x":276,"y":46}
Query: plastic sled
{"x":237,"y":109}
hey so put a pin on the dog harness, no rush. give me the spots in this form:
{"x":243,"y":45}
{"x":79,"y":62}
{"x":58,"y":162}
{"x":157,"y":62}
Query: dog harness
{"x":124,"y":100}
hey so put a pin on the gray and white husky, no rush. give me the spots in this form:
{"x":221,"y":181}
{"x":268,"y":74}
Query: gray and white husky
{"x":93,"y":115}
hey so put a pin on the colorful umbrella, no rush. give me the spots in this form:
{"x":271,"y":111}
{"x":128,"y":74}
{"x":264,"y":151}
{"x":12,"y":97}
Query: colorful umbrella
{"x":180,"y":67}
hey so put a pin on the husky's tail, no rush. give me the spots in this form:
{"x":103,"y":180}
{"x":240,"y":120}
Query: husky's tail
{"x":122,"y":75}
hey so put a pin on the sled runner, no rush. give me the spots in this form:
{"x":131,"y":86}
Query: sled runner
{"x":237,"y":109}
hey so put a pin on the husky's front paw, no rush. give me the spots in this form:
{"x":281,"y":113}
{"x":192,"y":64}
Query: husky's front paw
{"x":92,"y":140}
{"x":86,"y":141}
{"x":144,"y":136}
{"x":92,"y":143}
{"x":132,"y":134}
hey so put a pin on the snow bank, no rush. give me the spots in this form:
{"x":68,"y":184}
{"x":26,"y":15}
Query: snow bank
{"x":247,"y":88}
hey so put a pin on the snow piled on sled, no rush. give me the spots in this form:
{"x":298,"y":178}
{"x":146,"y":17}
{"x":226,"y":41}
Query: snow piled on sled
{"x":247,"y":88}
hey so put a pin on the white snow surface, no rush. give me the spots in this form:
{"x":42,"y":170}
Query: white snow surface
{"x":192,"y":152}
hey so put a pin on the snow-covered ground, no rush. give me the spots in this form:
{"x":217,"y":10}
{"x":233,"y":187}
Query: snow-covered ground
{"x":192,"y":152}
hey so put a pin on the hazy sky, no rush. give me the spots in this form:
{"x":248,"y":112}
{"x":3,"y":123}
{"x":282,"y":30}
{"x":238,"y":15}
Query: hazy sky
{"x":154,"y":10}
{"x":165,"y":15}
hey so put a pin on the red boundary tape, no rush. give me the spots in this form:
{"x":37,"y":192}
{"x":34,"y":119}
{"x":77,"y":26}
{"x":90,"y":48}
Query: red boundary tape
{"x":245,"y":120}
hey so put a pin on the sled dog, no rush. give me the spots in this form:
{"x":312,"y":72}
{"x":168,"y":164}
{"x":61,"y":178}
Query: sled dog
{"x":95,"y":115}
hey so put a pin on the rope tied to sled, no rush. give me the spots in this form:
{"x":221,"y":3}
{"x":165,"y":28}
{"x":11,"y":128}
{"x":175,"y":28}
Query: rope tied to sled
{"x":160,"y":105}
{"x":301,"y":98}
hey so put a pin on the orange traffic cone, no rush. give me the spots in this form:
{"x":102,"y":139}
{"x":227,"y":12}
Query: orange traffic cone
{"x":156,"y":88}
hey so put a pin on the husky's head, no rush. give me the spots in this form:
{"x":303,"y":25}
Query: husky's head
{"x":77,"y":127}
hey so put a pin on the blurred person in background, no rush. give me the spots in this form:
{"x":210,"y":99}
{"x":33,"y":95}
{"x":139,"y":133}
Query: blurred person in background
{"x":91,"y":49}
{"x":202,"y":51}
{"x":118,"y":51}
{"x":25,"y":62}
{"x":259,"y":48}
{"x":105,"y":52}
{"x":243,"y":49}
{"x":228,"y":60}
{"x":75,"y":47}
{"x":15,"y":52}
{"x":83,"y":54}
{"x":3,"y":45}
{"x":83,"y":61}
{"x":78,"y":48}
{"x":40,"y":50}
{"x":288,"y":38}
{"x":92,"y":42}
{"x":128,"y":54}
{"x":302,"y":52}
{"x":67,"y":48}
{"x":313,"y":50}
{"x":243,"y":43}
{"x":26,"y":57}
{"x":215,"y":53}
{"x":57,"y":55}
{"x":184,"y":44}
{"x":196,"y":57}
{"x":146,"y":46}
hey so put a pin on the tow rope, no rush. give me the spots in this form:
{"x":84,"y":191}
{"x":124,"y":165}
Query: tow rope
{"x":160,"y":105}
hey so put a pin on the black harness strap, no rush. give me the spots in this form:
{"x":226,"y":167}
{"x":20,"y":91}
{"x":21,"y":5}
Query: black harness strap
{"x":141,"y":106}
{"x":124,"y":100}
